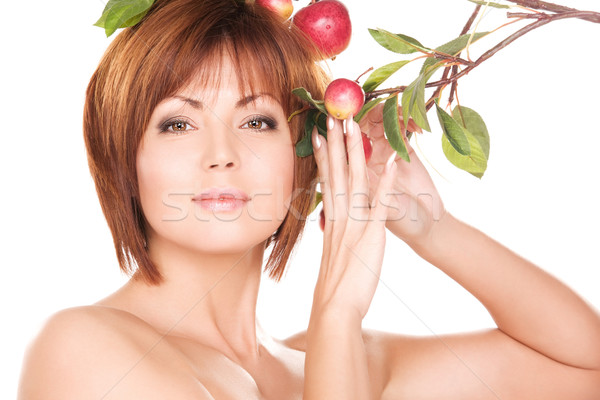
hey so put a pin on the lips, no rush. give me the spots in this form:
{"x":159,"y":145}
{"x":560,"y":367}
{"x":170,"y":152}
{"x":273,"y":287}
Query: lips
{"x":222,"y":199}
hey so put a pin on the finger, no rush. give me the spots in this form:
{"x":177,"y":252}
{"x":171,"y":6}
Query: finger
{"x":358,"y":180}
{"x":322,"y":160}
{"x":338,"y":174}
{"x":379,"y":206}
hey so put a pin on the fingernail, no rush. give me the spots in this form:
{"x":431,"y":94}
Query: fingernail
{"x":317,"y":141}
{"x":390,"y":162}
{"x":330,"y":122}
{"x":350,"y":126}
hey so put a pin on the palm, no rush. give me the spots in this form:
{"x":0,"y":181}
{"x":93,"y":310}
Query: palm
{"x":415,"y":201}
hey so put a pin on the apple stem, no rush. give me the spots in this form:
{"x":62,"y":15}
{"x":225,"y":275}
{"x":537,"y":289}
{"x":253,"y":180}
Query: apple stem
{"x":360,"y":76}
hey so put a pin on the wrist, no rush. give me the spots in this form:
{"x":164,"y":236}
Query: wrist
{"x":418,"y":225}
{"x":334,"y":319}
{"x":431,"y":243}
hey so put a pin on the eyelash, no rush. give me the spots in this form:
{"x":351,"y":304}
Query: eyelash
{"x":168,"y":124}
{"x":271,"y":124}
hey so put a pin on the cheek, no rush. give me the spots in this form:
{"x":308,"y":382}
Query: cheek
{"x":161,"y":194}
{"x":274,"y":178}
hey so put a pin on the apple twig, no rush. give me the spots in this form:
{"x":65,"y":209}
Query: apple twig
{"x":454,"y":68}
{"x":541,"y":19}
{"x":361,"y":75}
{"x":556,"y":8}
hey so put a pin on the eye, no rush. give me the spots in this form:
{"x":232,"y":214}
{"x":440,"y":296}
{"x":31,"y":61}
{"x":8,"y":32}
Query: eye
{"x":177,"y":126}
{"x":260,"y":123}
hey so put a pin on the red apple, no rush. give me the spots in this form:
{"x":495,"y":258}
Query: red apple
{"x":322,"y":220}
{"x":327,"y":24}
{"x":343,"y":98}
{"x":283,"y":8}
{"x":367,"y":146}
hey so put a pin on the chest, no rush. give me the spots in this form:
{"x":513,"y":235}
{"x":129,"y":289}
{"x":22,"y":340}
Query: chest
{"x":278,"y":375}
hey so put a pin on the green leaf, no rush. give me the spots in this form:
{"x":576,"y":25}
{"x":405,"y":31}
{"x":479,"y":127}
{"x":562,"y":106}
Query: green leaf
{"x":470,"y":120}
{"x":475,"y":163}
{"x":454,"y":132}
{"x":304,"y":147}
{"x":413,"y":101}
{"x":391,"y":126}
{"x":321,"y":122}
{"x":379,"y":76}
{"x":491,"y":4}
{"x":122,"y":13}
{"x":398,"y":43}
{"x":102,"y":19}
{"x":453,"y":47}
{"x":306,"y":96}
{"x":313,"y":118}
{"x":318,"y":198}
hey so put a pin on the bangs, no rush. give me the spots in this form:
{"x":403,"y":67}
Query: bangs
{"x":256,"y":72}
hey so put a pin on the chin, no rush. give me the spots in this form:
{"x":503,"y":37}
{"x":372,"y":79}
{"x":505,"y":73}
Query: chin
{"x":220,"y":235}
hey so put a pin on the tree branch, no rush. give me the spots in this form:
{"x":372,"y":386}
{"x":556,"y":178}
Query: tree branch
{"x":490,"y":53}
{"x":556,"y":8}
{"x":454,"y":68}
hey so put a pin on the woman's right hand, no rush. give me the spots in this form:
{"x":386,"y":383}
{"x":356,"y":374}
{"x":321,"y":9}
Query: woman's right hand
{"x":336,"y":365}
{"x":354,"y":234}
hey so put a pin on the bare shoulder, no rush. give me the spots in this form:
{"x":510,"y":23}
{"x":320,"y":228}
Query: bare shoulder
{"x":99,"y":352}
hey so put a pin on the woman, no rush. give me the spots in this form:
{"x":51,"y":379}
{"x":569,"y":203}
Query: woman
{"x":193,"y":158}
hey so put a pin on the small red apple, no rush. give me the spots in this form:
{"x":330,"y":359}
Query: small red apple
{"x":327,"y":24}
{"x":367,"y":146}
{"x":283,"y":8}
{"x":322,"y":220}
{"x":343,"y":98}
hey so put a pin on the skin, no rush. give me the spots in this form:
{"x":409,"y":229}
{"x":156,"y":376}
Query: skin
{"x":196,"y":336}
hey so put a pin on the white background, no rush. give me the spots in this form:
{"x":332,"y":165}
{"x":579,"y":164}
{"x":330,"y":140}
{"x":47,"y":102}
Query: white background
{"x":539,"y":98}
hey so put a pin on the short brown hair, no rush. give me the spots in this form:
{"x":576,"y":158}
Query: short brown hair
{"x":179,"y":40}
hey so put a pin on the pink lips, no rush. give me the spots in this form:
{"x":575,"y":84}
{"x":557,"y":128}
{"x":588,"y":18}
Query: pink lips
{"x":222,"y":199}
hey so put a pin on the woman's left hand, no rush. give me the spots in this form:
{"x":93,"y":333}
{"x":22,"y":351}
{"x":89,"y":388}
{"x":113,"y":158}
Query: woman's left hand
{"x":415,"y":203}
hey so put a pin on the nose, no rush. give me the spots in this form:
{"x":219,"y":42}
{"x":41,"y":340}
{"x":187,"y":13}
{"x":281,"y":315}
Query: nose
{"x":221,"y":149}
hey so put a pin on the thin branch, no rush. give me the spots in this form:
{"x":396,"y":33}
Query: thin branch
{"x":454,"y":85}
{"x":556,"y":8}
{"x":465,"y":29}
{"x":523,"y":15}
{"x":488,"y":54}
{"x":361,"y":75}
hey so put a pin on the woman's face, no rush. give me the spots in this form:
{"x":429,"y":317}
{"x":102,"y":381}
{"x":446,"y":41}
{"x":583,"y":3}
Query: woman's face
{"x":215,"y":168}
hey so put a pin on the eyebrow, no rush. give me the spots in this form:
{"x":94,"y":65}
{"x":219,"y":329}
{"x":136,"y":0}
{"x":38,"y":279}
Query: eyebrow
{"x":198,"y":105}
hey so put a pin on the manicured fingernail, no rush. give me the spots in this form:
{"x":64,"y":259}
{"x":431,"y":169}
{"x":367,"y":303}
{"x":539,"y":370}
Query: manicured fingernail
{"x":330,"y":122}
{"x":390,"y":162}
{"x":317,"y":141}
{"x":350,"y":126}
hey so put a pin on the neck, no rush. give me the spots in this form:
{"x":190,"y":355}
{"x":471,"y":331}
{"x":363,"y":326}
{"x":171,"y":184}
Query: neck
{"x":209,"y":298}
